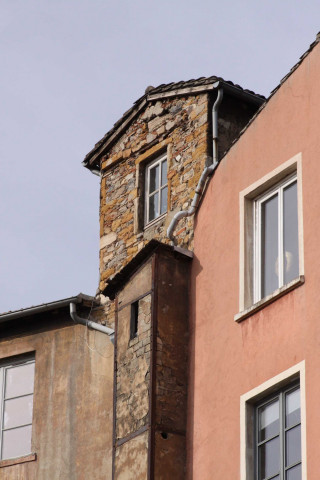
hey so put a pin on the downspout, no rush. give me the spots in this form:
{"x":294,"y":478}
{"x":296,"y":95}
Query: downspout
{"x":90,"y":323}
{"x":208,"y":170}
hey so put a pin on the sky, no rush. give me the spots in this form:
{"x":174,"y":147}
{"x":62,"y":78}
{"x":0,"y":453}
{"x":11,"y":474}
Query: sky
{"x":69,"y":70}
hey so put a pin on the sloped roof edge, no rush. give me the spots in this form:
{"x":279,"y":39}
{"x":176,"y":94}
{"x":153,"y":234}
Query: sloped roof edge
{"x":282,"y":81}
{"x":115,"y":283}
{"x":183,"y":88}
{"x":81,"y":298}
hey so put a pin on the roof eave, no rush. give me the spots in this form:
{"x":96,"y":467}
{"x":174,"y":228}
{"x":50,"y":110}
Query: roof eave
{"x":115,"y":283}
{"x":46,"y":307}
{"x":92,"y":159}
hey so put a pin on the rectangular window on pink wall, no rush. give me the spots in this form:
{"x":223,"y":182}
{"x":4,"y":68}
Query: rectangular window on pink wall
{"x":271,"y":260}
{"x":273,"y":428}
{"x":276,"y":246}
{"x":278,"y":436}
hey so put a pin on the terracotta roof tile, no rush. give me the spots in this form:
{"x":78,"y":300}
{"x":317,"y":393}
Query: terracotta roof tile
{"x":151,"y":91}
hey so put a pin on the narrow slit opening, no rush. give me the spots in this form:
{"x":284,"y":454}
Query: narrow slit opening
{"x":134,"y":319}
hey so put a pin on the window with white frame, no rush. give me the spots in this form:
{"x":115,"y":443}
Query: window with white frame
{"x":156,"y":189}
{"x":16,"y":406}
{"x":278,"y":436}
{"x":276,"y":246}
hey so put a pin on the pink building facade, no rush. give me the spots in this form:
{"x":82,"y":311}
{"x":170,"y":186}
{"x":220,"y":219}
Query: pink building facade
{"x":255,"y":335}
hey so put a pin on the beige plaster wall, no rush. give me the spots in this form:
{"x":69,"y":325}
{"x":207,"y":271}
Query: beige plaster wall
{"x":132,"y":459}
{"x":72,"y":415}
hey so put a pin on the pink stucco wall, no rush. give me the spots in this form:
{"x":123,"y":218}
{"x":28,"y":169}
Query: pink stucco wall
{"x":227,"y":358}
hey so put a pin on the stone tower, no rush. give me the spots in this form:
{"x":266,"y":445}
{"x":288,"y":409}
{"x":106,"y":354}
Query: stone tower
{"x":150,"y":163}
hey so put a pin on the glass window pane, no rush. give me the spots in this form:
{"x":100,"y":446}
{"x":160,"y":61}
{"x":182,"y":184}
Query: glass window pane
{"x":16,"y":443}
{"x":269,"y":246}
{"x":269,"y":458}
{"x":293,"y":408}
{"x":154,"y":179}
{"x":293,"y":446}
{"x":164,"y":172}
{"x":18,"y":411}
{"x":269,"y":420}
{"x":164,"y":199}
{"x":19,"y":380}
{"x":153,"y":206}
{"x":294,"y":473}
{"x":290,"y":233}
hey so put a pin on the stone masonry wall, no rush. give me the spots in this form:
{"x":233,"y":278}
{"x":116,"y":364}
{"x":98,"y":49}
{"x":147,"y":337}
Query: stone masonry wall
{"x":181,"y":127}
{"x":133,"y":373}
{"x":178,"y":126}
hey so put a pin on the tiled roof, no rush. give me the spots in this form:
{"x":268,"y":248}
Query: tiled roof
{"x":202,"y":81}
{"x":179,"y":87}
{"x":189,"y":87}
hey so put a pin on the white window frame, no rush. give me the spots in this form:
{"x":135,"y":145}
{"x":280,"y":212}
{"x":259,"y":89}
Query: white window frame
{"x":247,"y":198}
{"x":280,"y":395}
{"x":148,"y":194}
{"x":277,"y":190}
{"x":4,"y":365}
{"x":248,"y":403}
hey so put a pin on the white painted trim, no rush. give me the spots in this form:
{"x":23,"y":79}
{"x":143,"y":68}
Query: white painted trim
{"x":157,"y":161}
{"x":246,"y":214}
{"x":247,"y":402}
{"x":239,"y":317}
{"x":16,"y":362}
{"x":277,"y":190}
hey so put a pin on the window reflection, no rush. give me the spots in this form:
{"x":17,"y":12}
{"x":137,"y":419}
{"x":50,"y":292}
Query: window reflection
{"x":278,"y":424}
{"x":16,"y":405}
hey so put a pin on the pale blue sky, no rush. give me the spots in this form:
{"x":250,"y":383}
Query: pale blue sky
{"x":69,"y":69}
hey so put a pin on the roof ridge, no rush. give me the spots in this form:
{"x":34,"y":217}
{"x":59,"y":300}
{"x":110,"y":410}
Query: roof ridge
{"x":162,"y":88}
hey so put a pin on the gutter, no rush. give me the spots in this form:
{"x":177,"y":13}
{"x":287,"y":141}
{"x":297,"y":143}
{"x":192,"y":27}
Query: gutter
{"x":207,"y":171}
{"x":70,"y":302}
{"x":45,"y":307}
{"x":89,"y":323}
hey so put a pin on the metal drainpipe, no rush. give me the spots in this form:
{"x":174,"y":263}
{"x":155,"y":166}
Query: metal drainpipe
{"x":208,"y":170}
{"x":90,"y":323}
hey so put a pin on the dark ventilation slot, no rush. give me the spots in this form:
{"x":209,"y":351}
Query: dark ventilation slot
{"x":134,"y":319}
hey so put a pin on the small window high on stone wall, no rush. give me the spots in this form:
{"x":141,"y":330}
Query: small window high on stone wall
{"x":134,"y":316}
{"x":156,"y":189}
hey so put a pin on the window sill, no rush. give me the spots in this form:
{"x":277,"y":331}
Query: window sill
{"x":155,"y":221}
{"x":269,"y":299}
{"x":14,"y":461}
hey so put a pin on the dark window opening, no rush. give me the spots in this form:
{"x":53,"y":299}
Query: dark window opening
{"x":278,"y":436}
{"x":134,"y":319}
